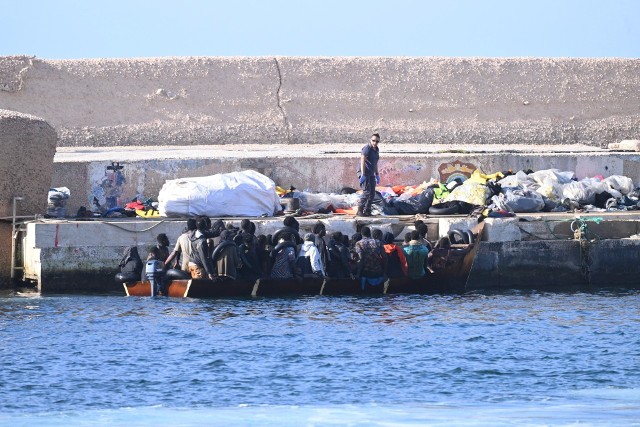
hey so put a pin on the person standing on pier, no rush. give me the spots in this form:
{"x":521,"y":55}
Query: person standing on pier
{"x":368,"y":174}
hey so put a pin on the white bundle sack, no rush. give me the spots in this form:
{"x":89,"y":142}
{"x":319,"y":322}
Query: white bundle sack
{"x":246,"y":193}
{"x":620,"y":183}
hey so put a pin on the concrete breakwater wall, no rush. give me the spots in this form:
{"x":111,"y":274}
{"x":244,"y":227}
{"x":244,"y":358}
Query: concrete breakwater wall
{"x":292,"y":100}
{"x":27,"y":147}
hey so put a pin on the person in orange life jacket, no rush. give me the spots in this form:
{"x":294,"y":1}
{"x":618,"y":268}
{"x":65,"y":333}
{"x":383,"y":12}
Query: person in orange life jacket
{"x":397,"y":262}
{"x":368,"y":174}
{"x":200,"y":265}
{"x":309,"y":261}
{"x":416,"y":253}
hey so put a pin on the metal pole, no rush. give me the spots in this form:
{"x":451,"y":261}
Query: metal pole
{"x":14,"y":236}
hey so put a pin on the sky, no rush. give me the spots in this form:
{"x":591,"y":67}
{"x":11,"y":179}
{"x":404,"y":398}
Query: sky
{"x":70,"y":29}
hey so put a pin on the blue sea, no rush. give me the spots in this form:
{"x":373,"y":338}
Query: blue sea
{"x":523,"y":358}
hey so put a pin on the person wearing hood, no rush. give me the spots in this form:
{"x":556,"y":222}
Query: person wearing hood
{"x":309,"y":261}
{"x":226,"y":257}
{"x":131,"y":264}
{"x":339,"y":265}
{"x":396,"y":261}
{"x":200,"y":265}
{"x":283,"y":257}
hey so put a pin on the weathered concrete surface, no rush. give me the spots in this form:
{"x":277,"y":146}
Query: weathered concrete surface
{"x":556,"y":264}
{"x":276,"y":100}
{"x":27,"y":147}
{"x":325,"y":168}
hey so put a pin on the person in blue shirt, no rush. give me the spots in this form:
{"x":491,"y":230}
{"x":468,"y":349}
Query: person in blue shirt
{"x":416,"y":254}
{"x":368,"y":174}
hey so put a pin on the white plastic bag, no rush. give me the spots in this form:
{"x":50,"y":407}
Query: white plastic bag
{"x":57,"y":202}
{"x":620,"y":183}
{"x":313,"y":202}
{"x":580,"y":192}
{"x":519,"y":201}
{"x":246,"y":193}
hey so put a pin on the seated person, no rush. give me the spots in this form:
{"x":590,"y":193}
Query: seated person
{"x":154,"y":272}
{"x":309,"y":262}
{"x":251,"y":268}
{"x":396,"y":261}
{"x":130,"y":265}
{"x":372,"y":264}
{"x":338,"y":257}
{"x":416,"y":253}
{"x":283,"y":258}
{"x":226,"y":258}
{"x":163,"y":246}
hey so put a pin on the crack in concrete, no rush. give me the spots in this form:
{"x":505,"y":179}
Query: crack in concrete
{"x":287,"y":126}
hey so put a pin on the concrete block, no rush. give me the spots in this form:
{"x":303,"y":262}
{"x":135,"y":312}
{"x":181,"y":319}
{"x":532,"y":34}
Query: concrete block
{"x":625,"y":145}
{"x":501,"y":230}
{"x":461,"y":223}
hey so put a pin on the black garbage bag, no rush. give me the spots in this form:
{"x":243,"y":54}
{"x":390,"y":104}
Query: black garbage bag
{"x":418,"y":204}
{"x":453,"y":207}
{"x":602,"y":198}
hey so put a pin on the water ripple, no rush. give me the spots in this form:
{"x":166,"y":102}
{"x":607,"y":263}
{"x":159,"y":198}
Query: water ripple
{"x":67,"y":353}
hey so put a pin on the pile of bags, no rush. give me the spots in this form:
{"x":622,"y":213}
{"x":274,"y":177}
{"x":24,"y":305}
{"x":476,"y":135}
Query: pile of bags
{"x":549,"y":190}
{"x":553,"y":190}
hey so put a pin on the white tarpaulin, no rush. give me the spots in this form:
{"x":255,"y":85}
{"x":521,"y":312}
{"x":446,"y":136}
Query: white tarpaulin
{"x":246,"y":193}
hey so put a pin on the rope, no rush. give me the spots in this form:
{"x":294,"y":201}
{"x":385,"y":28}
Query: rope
{"x":581,"y":232}
{"x":113,"y":224}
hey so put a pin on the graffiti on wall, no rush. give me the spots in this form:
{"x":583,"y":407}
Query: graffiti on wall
{"x":455,"y":169}
{"x":107,"y":189}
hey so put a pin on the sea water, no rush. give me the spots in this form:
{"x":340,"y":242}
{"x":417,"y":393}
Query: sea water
{"x":476,"y":359}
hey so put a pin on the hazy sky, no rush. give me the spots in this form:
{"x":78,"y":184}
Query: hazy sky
{"x":57,"y":29}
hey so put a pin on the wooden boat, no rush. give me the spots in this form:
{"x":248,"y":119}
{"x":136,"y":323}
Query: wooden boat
{"x":451,"y":267}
